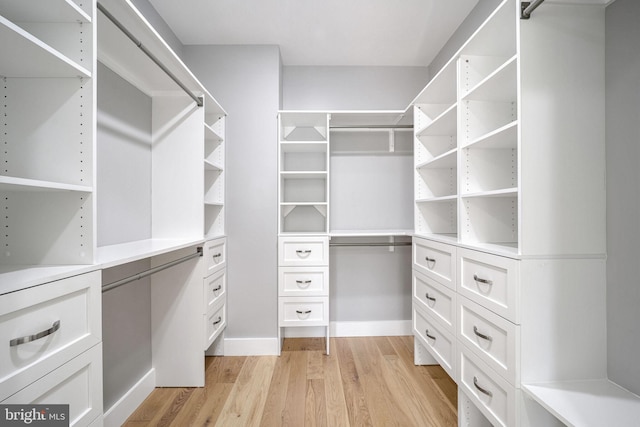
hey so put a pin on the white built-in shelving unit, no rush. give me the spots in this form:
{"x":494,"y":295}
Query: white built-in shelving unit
{"x":509,"y":245}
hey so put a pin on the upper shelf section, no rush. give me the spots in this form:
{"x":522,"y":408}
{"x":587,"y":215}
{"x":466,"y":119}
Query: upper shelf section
{"x":43,"y":11}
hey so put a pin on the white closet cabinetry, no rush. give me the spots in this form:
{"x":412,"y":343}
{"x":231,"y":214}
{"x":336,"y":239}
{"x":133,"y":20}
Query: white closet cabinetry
{"x":509,"y":213}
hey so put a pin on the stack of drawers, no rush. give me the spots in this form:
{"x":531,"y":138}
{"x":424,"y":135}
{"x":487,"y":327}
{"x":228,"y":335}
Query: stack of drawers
{"x":215,"y":289}
{"x":303,"y":282}
{"x":53,"y":352}
{"x":465,"y":313}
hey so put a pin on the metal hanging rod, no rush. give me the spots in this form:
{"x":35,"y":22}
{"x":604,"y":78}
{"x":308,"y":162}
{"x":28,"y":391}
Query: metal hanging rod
{"x":371,"y":244}
{"x":527,"y":7}
{"x":151,"y":56}
{"x":138,"y":276}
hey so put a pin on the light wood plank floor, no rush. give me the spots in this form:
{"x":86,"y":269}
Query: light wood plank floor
{"x":368,"y":381}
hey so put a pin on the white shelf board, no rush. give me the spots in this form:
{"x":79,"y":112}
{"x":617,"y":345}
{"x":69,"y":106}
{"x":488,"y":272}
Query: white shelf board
{"x":30,"y":57}
{"x":440,"y":237}
{"x":588,"y":403}
{"x":303,"y":146}
{"x":440,"y":199}
{"x":114,"y":255}
{"x":506,"y":192}
{"x":506,"y":249}
{"x":43,"y":11}
{"x":207,"y":203}
{"x":370,"y":233}
{"x":444,"y":124}
{"x":441,"y":89}
{"x":503,"y":137}
{"x":17,"y":277}
{"x":497,"y":86}
{"x":303,"y":174}
{"x":212,"y":166}
{"x":446,"y":160}
{"x":211,"y":135}
{"x":8,"y":183}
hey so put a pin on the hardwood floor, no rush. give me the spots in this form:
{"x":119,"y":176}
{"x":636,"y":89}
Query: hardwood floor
{"x":366,"y":381}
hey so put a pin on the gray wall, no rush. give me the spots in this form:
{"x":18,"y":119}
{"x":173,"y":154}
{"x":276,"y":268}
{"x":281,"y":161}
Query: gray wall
{"x":124,"y":212}
{"x":471,"y":23}
{"x":623,"y":197}
{"x":351,"y":88}
{"x":246,"y":82}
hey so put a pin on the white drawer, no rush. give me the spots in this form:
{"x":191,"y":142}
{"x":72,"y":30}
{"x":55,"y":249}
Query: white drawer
{"x":303,"y":251}
{"x":495,"y":340}
{"x":215,"y":255}
{"x":491,"y":281}
{"x":303,"y":281}
{"x":215,"y":322}
{"x":77,"y":383}
{"x":435,"y":299}
{"x":436,"y":260}
{"x":303,"y":311}
{"x":494,"y":396}
{"x":215,"y":288}
{"x":67,"y":314}
{"x":439,"y":343}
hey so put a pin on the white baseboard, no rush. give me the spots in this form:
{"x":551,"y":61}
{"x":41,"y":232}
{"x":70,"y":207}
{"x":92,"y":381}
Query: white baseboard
{"x":384,"y":328}
{"x":127,"y":404}
{"x":251,"y":346}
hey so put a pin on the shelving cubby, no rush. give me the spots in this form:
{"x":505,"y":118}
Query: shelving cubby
{"x":303,"y":172}
{"x":47,"y":168}
{"x":214,"y":167}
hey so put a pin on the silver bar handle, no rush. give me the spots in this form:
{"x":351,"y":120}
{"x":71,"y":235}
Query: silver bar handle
{"x":303,"y":283}
{"x":426,"y":332}
{"x":481,"y":280}
{"x":28,"y":338}
{"x":303,"y":312}
{"x":432,"y":299}
{"x":218,"y":255}
{"x":217,"y":321}
{"x":217,"y":289}
{"x":482,"y":389}
{"x":303,"y":252}
{"x":481,"y":335}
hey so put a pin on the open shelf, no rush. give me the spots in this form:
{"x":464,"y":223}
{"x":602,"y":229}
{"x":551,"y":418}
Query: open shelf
{"x":43,"y":11}
{"x":498,"y":85}
{"x":446,"y":160}
{"x":441,"y":89}
{"x":31,"y":57}
{"x":114,"y":255}
{"x":300,"y":218}
{"x":488,"y":170}
{"x":587,"y":403}
{"x":21,"y":184}
{"x":496,"y":37}
{"x":490,"y":217}
{"x":437,"y":216}
{"x":444,"y":124}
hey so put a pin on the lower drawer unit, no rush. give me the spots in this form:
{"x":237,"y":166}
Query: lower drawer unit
{"x":303,"y":251}
{"x":215,"y":288}
{"x":215,"y":255}
{"x":303,"y":311}
{"x":46,"y":326}
{"x":77,"y":383}
{"x":441,"y":344}
{"x":436,"y":260}
{"x":491,"y":393}
{"x":301,"y":281}
{"x":215,"y":322}
{"x":492,"y":338}
{"x":435,"y":299}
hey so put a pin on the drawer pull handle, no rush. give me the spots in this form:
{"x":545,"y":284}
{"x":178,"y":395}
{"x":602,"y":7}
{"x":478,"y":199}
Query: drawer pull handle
{"x":426,"y":332}
{"x":481,"y":335}
{"x":23,"y":340}
{"x":482,"y":390}
{"x":432,"y":299}
{"x":303,"y":253}
{"x":217,"y":321}
{"x":303,"y":283}
{"x":217,"y":289}
{"x":218,"y":255}
{"x":481,"y":280}
{"x":431,"y":261}
{"x":303,"y":312}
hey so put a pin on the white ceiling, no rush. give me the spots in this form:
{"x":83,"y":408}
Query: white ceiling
{"x":322,"y":32}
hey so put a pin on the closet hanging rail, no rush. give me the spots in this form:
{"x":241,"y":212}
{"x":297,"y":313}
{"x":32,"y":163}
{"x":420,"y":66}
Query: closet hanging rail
{"x":527,"y":7}
{"x":370,"y":244}
{"x":138,"y":276}
{"x":151,"y":56}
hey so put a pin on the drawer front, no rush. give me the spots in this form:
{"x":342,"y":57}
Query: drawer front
{"x":492,"y":338}
{"x":303,"y":311}
{"x":303,"y":251}
{"x":215,"y":255}
{"x":491,"y":281}
{"x":495,"y":398}
{"x":436,"y":260}
{"x":440,"y":343}
{"x":216,"y":321}
{"x":215,"y":288}
{"x":45,"y":326}
{"x":303,"y":281}
{"x":77,"y":383}
{"x":435,"y":299}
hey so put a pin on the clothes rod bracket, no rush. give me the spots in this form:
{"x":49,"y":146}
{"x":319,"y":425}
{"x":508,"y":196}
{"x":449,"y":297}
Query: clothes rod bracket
{"x":527,"y":8}
{"x":138,"y":276}
{"x":198,"y":99}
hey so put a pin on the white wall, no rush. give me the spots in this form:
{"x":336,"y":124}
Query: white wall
{"x":623,"y":197}
{"x":246,"y":82}
{"x":351,"y":88}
